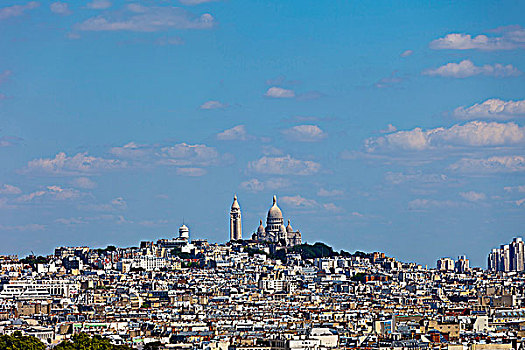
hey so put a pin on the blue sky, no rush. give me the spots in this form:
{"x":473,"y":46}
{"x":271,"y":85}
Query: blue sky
{"x":381,"y":126}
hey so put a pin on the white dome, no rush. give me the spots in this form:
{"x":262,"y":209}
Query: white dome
{"x":184,"y":231}
{"x":275,"y":212}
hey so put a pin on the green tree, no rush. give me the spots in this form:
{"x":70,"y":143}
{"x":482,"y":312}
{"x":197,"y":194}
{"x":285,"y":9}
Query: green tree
{"x":153,"y":346}
{"x":33,"y":260}
{"x":82,"y":341}
{"x":17,"y":341}
{"x":317,"y":250}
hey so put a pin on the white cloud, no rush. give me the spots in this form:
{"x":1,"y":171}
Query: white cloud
{"x":305,"y":133}
{"x":153,"y":223}
{"x":474,"y":134}
{"x":390,"y":128}
{"x":520,"y":188}
{"x":493,"y":108}
{"x":10,"y":189}
{"x":512,"y":38}
{"x":237,"y":133}
{"x":71,"y":221}
{"x":83,"y":220}
{"x":17,"y":10}
{"x":132,"y":150}
{"x":99,"y":4}
{"x":306,"y":203}
{"x":184,"y":154}
{"x":191,"y":171}
{"x":285,"y":165}
{"x":116,"y":204}
{"x":329,"y":193}
{"x":84,"y":182}
{"x":496,"y":164}
{"x":181,"y":154}
{"x":466,"y":68}
{"x":213,"y":105}
{"x":473,"y":196}
{"x":140,"y":18}
{"x":399,"y":178}
{"x":194,"y":2}
{"x":332,"y":207}
{"x":406,"y":53}
{"x":422,"y":204}
{"x":80,"y":163}
{"x":129,"y":156}
{"x":256,"y":185}
{"x":61,"y":8}
{"x":298,"y":201}
{"x":253,"y":185}
{"x":7,"y":141}
{"x":22,"y":228}
{"x":390,"y":81}
{"x":277,"y":92}
{"x":269,"y":150}
{"x":169,"y":40}
{"x":51,"y":192}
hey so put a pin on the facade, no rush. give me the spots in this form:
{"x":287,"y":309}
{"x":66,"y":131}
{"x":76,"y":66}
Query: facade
{"x":235,"y":221}
{"x":275,"y":231}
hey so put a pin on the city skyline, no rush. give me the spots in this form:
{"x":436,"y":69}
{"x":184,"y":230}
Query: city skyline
{"x":379,"y":127}
{"x":509,"y":257}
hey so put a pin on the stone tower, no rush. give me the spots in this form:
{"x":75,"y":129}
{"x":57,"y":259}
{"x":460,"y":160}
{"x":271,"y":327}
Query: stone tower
{"x":235,"y":221}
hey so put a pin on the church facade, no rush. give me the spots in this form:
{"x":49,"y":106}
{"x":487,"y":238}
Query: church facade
{"x":275,"y":231}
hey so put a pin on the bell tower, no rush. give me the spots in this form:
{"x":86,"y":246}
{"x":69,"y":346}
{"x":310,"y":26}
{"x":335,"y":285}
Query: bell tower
{"x":235,"y":221}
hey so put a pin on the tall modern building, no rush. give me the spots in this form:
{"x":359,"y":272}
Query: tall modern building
{"x":508,"y":257}
{"x":517,"y":254}
{"x":445,"y":264}
{"x":462,"y":265}
{"x":235,"y":221}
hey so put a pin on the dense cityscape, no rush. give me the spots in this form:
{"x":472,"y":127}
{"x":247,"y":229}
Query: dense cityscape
{"x":267,"y":291}
{"x":262,"y":175}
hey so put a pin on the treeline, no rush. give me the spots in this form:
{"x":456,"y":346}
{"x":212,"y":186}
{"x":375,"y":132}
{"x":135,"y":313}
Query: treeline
{"x":80,"y":341}
{"x":306,"y":251}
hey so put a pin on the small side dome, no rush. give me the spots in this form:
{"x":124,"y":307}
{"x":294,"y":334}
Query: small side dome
{"x":260,"y":229}
{"x":289,"y":228}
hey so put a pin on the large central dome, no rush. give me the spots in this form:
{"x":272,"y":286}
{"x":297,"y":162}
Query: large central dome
{"x":275,"y":212}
